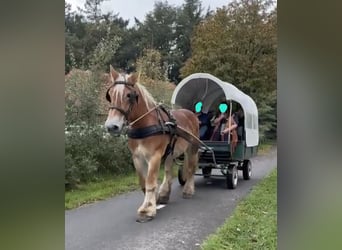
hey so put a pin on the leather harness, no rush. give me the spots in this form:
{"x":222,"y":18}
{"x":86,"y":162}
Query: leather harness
{"x":164,"y":127}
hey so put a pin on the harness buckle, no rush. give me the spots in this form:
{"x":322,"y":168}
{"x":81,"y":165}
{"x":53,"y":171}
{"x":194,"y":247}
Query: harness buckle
{"x":170,"y":123}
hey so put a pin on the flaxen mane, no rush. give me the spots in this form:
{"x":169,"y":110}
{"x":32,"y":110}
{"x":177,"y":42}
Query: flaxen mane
{"x":148,"y":98}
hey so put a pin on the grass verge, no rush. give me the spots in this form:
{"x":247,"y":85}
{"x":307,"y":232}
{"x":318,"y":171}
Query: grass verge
{"x":254,"y":222}
{"x":265,"y":147}
{"x":101,"y":189}
{"x":105,"y":187}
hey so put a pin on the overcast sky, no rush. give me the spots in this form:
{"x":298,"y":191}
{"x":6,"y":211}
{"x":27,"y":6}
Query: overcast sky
{"x":128,"y":9}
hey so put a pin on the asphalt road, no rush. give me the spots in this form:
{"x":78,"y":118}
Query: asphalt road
{"x":181,"y":224}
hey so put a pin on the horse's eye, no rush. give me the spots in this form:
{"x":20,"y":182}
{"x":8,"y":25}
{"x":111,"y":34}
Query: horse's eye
{"x":129,"y":95}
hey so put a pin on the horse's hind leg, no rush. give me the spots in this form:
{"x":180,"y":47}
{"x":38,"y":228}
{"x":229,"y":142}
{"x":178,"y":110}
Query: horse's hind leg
{"x":190,"y":164}
{"x":165,"y":188}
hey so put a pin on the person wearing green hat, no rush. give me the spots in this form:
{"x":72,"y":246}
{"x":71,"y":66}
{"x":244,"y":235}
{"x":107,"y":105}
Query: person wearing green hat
{"x":203,"y":120}
{"x":220,"y":121}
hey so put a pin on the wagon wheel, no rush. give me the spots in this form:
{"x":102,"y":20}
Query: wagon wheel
{"x":180,"y":176}
{"x":247,"y":169}
{"x":232,"y":177}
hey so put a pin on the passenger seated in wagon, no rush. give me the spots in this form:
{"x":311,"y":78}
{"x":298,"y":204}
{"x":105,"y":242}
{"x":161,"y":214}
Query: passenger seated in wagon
{"x":219,"y":121}
{"x":230,"y":130}
{"x":204,"y":121}
{"x":225,"y":126}
{"x":240,"y":120}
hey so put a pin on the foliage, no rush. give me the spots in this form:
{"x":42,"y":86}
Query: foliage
{"x":89,"y":152}
{"x":81,"y":97}
{"x":92,"y":9}
{"x":88,"y":149}
{"x":238,"y":44}
{"x":188,"y":17}
{"x":153,"y":76}
{"x":150,"y":65}
{"x":89,"y":40}
{"x":254,"y":222}
{"x":159,"y":24}
{"x":154,"y":88}
{"x":104,"y":51}
{"x":166,"y":28}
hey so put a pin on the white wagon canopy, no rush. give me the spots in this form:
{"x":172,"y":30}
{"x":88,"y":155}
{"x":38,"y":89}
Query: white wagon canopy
{"x":210,"y":91}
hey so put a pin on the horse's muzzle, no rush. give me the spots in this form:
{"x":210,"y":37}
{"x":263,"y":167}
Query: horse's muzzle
{"x":113,"y":129}
{"x":114,"y":126}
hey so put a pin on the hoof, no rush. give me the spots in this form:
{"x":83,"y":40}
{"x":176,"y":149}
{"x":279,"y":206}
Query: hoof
{"x":162,"y":200}
{"x":144,"y":218}
{"x":187,"y":196}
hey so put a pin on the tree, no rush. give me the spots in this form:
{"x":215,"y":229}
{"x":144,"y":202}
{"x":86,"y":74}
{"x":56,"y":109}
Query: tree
{"x":238,"y":44}
{"x":158,"y":27}
{"x":75,"y":30}
{"x":150,"y":65}
{"x":158,"y":31}
{"x":130,"y":49}
{"x":92,"y":10}
{"x":92,"y":39}
{"x":188,"y":17}
{"x":104,"y":51}
{"x":168,"y":29}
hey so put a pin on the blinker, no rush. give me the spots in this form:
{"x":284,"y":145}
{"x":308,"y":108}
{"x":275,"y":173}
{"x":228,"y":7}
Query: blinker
{"x":108,"y":96}
{"x":132,"y":97}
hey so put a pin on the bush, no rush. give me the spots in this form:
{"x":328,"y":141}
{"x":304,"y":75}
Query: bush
{"x":89,"y":152}
{"x":81,"y":97}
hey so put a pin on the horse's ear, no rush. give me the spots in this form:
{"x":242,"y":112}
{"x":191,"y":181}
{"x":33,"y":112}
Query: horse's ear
{"x":112,"y":73}
{"x":133,"y":78}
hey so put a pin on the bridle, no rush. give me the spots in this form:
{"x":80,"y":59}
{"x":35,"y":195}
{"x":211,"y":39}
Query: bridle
{"x":132,"y":98}
{"x":165,"y":127}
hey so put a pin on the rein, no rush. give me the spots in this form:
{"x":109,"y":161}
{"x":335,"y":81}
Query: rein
{"x":164,"y":127}
{"x":142,"y":116}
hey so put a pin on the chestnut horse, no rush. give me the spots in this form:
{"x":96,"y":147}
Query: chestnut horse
{"x":154,"y":135}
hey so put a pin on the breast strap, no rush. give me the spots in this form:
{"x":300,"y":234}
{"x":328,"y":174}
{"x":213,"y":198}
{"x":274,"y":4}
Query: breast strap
{"x":139,"y":133}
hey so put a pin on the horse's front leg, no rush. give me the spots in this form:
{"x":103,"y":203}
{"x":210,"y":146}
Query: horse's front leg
{"x":165,"y":188}
{"x":140,"y":168}
{"x":147,"y":210}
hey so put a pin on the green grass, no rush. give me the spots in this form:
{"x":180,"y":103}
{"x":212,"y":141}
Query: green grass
{"x":254,"y":222}
{"x":105,"y":187}
{"x":265,"y":147}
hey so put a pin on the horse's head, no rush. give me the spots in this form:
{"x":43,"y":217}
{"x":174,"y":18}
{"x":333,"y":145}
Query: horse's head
{"x":122,"y":96}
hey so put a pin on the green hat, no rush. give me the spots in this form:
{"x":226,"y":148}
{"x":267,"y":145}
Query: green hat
{"x":198,"y":107}
{"x":223,"y":107}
